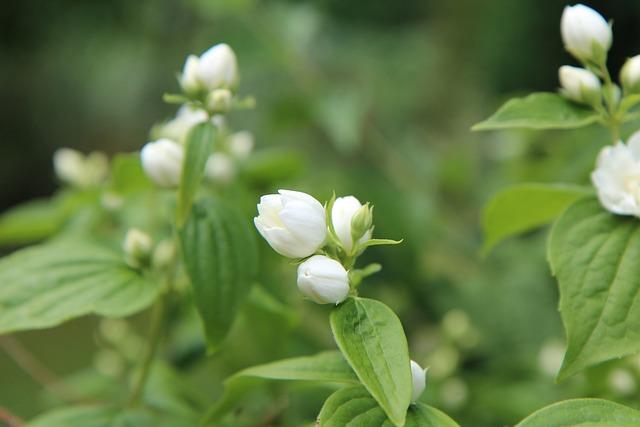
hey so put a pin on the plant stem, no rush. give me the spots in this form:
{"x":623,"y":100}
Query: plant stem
{"x":155,"y":333}
{"x":613,"y":123}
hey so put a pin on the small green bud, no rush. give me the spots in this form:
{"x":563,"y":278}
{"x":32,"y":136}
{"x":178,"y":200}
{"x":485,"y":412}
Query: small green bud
{"x":137,"y":247}
{"x":219,"y":101}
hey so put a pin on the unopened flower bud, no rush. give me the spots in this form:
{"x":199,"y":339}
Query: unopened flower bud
{"x":162,"y":162}
{"x":361,"y":223}
{"x":241,"y":144}
{"x":580,"y":85}
{"x":137,"y":247}
{"x":74,"y":168}
{"x":218,"y":67}
{"x":342,"y":215}
{"x":323,"y":280}
{"x":419,"y":381}
{"x":292,"y":222}
{"x":630,"y":75}
{"x":220,"y":168}
{"x":585,"y":33}
{"x":219,"y":100}
{"x":178,"y":128}
{"x":189,"y":78}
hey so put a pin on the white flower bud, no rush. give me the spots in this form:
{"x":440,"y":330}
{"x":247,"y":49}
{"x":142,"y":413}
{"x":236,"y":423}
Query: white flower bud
{"x":419,"y":381}
{"x":162,"y":162}
{"x":342,"y":213}
{"x":164,"y":254}
{"x":189,"y":78}
{"x":219,"y":100}
{"x":241,"y":144}
{"x":218,"y":67}
{"x":137,"y":247}
{"x":585,"y":33}
{"x":323,"y":280}
{"x":630,"y":74}
{"x":220,"y":167}
{"x":580,"y":85}
{"x":616,"y":177}
{"x":292,"y":222}
{"x":178,"y":128}
{"x":74,"y":168}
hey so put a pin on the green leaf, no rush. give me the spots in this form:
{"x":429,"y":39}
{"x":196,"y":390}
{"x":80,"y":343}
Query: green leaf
{"x":220,"y":255}
{"x":354,"y":406}
{"x":525,"y":207}
{"x":583,"y":413}
{"x":199,"y":146}
{"x":127,"y":175}
{"x":328,"y":366}
{"x":38,"y":219}
{"x":371,"y":338}
{"x":106,"y":416}
{"x":42,"y":286}
{"x":539,"y":111}
{"x":594,"y":255}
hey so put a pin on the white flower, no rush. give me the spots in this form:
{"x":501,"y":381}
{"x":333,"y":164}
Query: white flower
{"x":344,"y":208}
{"x":215,"y":69}
{"x":220,"y":167}
{"x":137,"y":246}
{"x":579,"y":84}
{"x":617,"y":177}
{"x":162,"y":162}
{"x":292,"y":222}
{"x":630,"y":74}
{"x":323,"y":280}
{"x":418,"y":379}
{"x":241,"y":144}
{"x":73,"y":167}
{"x":584,"y":29}
{"x":177,"y":128}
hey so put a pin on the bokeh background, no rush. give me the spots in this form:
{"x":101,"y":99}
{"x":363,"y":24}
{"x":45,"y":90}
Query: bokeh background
{"x":373,"y":98}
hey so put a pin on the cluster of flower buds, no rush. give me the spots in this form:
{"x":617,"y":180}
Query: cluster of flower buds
{"x":208,"y":82}
{"x":327,"y":239}
{"x":74,"y":168}
{"x":588,"y":37}
{"x":140,"y":250}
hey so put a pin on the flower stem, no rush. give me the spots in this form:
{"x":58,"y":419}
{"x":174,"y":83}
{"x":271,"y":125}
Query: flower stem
{"x":155,"y":333}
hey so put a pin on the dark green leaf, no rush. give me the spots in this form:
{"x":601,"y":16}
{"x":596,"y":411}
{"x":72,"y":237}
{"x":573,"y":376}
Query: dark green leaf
{"x":328,"y":366}
{"x":594,"y":255}
{"x":42,"y":286}
{"x":371,"y":338}
{"x":539,"y":111}
{"x":354,"y":406}
{"x":525,"y":207}
{"x":220,"y":255}
{"x":199,"y":147}
{"x":583,"y":413}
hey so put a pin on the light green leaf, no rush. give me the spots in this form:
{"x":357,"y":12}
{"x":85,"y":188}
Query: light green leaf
{"x":220,"y":255}
{"x":380,"y":242}
{"x":42,"y":286}
{"x":328,"y":366}
{"x":543,"y":110}
{"x":199,"y":146}
{"x":594,"y":255}
{"x":127,"y":175}
{"x":106,"y":416}
{"x":38,"y":219}
{"x":583,"y":413}
{"x":525,"y":207}
{"x":354,"y":406}
{"x":371,"y":338}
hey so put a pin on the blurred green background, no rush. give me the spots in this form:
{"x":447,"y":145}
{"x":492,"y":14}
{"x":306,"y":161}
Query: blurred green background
{"x":374,"y":98}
